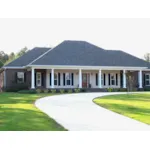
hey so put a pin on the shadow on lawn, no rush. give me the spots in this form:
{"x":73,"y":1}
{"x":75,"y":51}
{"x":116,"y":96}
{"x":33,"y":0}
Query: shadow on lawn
{"x":129,"y":97}
{"x":17,"y":119}
{"x":123,"y":108}
{"x":18,"y":99}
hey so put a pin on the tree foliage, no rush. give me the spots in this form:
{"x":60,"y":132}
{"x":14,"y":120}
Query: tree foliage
{"x":22,"y":51}
{"x":147,"y":57}
{"x":6,"y":58}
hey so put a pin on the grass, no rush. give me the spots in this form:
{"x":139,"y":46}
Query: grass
{"x":18,"y":113}
{"x":136,"y":106}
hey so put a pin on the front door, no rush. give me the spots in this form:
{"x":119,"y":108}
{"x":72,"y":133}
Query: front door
{"x":85,"y":80}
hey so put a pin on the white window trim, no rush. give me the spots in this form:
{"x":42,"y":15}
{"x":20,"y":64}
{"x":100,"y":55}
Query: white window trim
{"x":18,"y":78}
{"x":114,"y":74}
{"x":56,"y":78}
{"x":66,"y":79}
{"x":147,"y":79}
{"x":38,"y":73}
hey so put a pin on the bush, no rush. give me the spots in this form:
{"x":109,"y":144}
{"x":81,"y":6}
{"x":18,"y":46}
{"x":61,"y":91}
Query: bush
{"x":77,"y":90}
{"x":45,"y":90}
{"x":109,"y":89}
{"x":70,"y":91}
{"x":16,"y":87}
{"x":53,"y":91}
{"x":27,"y":92}
{"x":62,"y":91}
{"x":123,"y":90}
{"x":146,"y":89}
{"x":115,"y":90}
{"x":83,"y":90}
{"x":38,"y":90}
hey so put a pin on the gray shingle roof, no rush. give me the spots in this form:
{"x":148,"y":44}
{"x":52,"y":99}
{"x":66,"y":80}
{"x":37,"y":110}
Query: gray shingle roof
{"x":28,"y":57}
{"x":81,"y":53}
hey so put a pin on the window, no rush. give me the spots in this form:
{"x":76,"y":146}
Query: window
{"x":20,"y":77}
{"x":147,"y":79}
{"x":38,"y":78}
{"x":112,"y":79}
{"x":55,"y":79}
{"x":102,"y":79}
{"x":68,"y":78}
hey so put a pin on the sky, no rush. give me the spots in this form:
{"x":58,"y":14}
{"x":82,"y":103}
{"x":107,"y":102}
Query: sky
{"x":129,"y":35}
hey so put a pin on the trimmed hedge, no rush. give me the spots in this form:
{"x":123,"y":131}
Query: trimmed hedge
{"x":16,"y":87}
{"x":146,"y":89}
{"x":27,"y":92}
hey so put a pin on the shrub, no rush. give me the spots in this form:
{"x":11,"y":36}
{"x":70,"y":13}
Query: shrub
{"x":53,"y":91}
{"x":27,"y":92}
{"x":146,"y":89}
{"x":38,"y":90}
{"x":16,"y":87}
{"x":62,"y":91}
{"x":115,"y":90}
{"x":45,"y":90}
{"x":77,"y":90}
{"x":70,"y":91}
{"x":123,"y":90}
{"x":110,"y":89}
{"x":83,"y":90}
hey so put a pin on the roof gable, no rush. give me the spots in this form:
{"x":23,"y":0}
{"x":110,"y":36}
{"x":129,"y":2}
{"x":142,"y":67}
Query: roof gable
{"x":27,"y":57}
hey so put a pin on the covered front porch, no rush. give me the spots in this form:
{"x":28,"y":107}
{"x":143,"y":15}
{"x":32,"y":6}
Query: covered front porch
{"x":83,"y":78}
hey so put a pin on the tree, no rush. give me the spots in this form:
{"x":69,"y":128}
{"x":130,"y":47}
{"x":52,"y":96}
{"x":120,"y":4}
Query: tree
{"x":3,"y":57}
{"x":22,"y":52}
{"x":131,"y":82}
{"x":147,"y":57}
{"x":12,"y":56}
{"x":1,"y":64}
{"x":1,"y":54}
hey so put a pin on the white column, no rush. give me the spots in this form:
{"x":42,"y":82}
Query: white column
{"x":124,"y":79}
{"x":32,"y":78}
{"x":80,"y":78}
{"x":99,"y":79}
{"x":52,"y":78}
{"x":140,"y":79}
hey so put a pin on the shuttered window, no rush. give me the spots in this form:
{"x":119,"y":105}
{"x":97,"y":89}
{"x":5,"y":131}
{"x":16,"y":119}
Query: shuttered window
{"x":72,"y":78}
{"x":108,"y":79}
{"x":59,"y":79}
{"x":147,"y":79}
{"x":64,"y":79}
{"x":96,"y":79}
{"x":50,"y":79}
{"x":116,"y":79}
{"x":104,"y":79}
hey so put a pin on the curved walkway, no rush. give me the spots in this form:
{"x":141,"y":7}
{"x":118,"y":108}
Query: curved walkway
{"x":78,"y":112}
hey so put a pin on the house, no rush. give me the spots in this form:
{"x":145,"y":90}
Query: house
{"x":76,"y":64}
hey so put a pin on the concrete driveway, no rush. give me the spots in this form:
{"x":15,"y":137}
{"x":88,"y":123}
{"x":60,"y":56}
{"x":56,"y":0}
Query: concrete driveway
{"x":77,"y":112}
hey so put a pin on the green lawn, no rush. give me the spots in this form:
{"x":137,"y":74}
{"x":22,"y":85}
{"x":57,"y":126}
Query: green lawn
{"x":136,"y":106}
{"x":18,"y":113}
